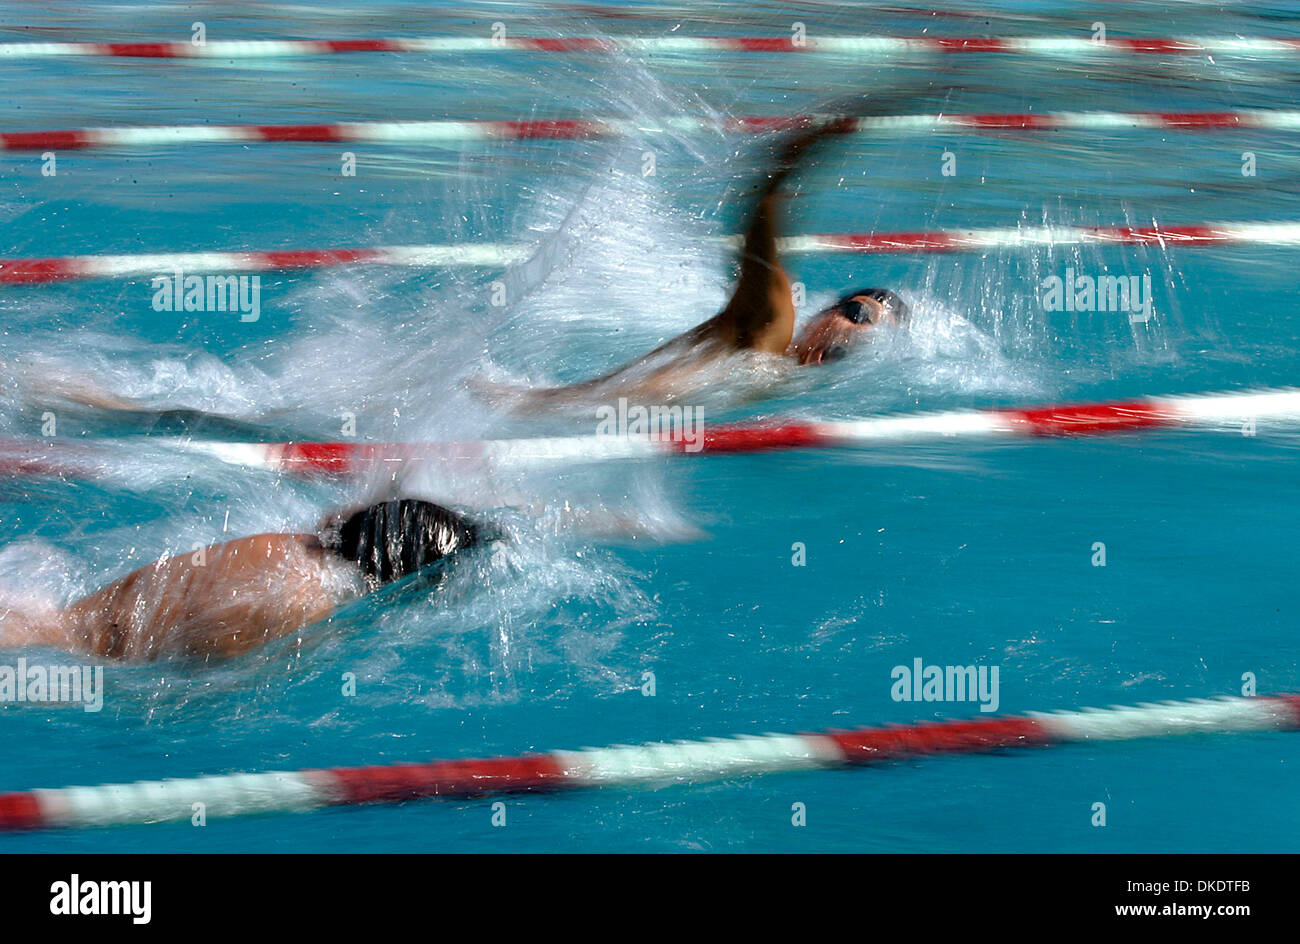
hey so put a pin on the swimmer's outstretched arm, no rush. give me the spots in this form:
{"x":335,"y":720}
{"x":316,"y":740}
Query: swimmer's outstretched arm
{"x":59,"y":387}
{"x":760,"y":315}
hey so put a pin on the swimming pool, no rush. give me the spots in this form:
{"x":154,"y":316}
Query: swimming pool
{"x":954,"y":553}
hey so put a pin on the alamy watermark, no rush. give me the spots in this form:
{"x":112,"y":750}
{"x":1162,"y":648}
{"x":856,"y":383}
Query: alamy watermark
{"x":1127,"y":293}
{"x":181,"y":292}
{"x":921,"y":682}
{"x":683,"y":424}
{"x":74,"y":684}
{"x":78,"y":896}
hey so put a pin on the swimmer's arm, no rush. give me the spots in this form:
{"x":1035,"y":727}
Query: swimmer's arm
{"x":761,"y":312}
{"x":73,"y":387}
{"x":761,"y":306}
{"x":59,"y":386}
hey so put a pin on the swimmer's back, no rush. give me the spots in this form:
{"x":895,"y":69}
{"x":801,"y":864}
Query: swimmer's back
{"x":221,"y":601}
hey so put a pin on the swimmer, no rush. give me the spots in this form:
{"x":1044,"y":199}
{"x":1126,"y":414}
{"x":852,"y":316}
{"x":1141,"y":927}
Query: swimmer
{"x":232,"y":597}
{"x":760,"y":316}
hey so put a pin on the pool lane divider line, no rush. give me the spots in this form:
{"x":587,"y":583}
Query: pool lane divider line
{"x":677,"y":762}
{"x":1247,"y":412}
{"x":402,"y":132}
{"x":859,"y":47}
{"x":33,"y":271}
{"x":1222,"y":410}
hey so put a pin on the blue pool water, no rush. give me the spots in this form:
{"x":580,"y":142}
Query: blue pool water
{"x":954,"y":553}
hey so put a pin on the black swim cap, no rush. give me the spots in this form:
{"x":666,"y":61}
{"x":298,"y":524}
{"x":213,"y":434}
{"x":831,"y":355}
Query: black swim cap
{"x":856,"y":311}
{"x":398,"y":538}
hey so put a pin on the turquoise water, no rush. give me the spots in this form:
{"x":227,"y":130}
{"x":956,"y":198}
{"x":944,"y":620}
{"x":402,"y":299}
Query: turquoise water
{"x":954,"y":553}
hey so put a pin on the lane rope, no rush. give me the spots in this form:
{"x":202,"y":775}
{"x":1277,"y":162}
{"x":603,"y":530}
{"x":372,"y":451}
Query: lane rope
{"x":1247,"y":412}
{"x":1236,"y":412}
{"x":682,"y":762}
{"x":26,"y":271}
{"x":860,"y":47}
{"x":405,"y":132}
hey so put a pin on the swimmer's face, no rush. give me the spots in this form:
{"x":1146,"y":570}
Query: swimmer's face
{"x":830,"y":334}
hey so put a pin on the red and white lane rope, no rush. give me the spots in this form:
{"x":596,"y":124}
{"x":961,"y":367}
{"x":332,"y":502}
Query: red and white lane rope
{"x":424,"y":132}
{"x":1248,"y":411}
{"x":14,"y":271}
{"x":1251,"y":412}
{"x":860,"y":47}
{"x":65,"y":268}
{"x":626,"y":765}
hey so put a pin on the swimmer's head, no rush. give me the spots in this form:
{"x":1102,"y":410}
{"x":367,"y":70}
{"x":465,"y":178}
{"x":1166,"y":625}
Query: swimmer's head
{"x":828,"y":336}
{"x":395,"y":539}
